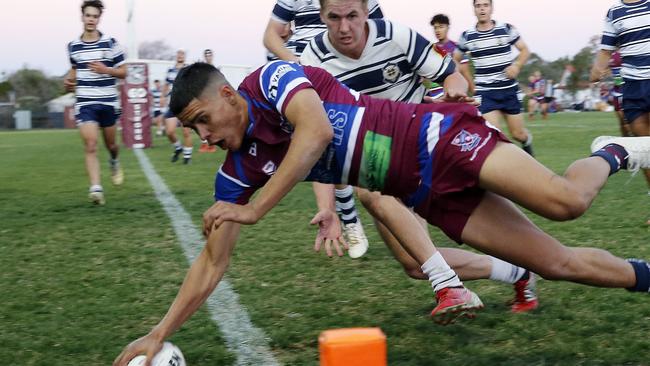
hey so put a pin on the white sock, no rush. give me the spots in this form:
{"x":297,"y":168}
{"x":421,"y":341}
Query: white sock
{"x":96,"y":188}
{"x":505,"y":272}
{"x":439,"y":273}
{"x":187,"y":152}
{"x":177,"y":145}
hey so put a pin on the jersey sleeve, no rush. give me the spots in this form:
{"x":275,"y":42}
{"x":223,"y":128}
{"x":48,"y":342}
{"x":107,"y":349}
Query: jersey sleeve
{"x":280,"y":81}
{"x":609,"y":41}
{"x":461,"y":45}
{"x":117,"y":53}
{"x":284,"y":11}
{"x":73,"y":63}
{"x":231,"y":183}
{"x":421,"y":54}
{"x":374,"y":10}
{"x":168,"y":78}
{"x":513,"y":34}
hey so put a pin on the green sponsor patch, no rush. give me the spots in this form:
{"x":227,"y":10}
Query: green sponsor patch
{"x":375,"y":160}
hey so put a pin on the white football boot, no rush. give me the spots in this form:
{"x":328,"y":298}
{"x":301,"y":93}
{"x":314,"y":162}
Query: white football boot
{"x":356,"y":239}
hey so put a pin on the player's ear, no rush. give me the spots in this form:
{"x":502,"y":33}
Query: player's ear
{"x":228,"y":93}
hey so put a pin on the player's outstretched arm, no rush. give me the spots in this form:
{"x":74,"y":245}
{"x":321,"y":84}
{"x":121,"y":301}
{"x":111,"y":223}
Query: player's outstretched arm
{"x":200,"y":281}
{"x":601,"y":66}
{"x":274,"y":41}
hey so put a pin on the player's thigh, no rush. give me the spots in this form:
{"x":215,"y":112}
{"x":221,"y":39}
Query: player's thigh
{"x":498,"y":228}
{"x":494,"y":117}
{"x":509,"y":172}
{"x":641,"y":125}
{"x":89,"y":132}
{"x":171,"y":123}
{"x":515,"y":123}
{"x":109,"y":134}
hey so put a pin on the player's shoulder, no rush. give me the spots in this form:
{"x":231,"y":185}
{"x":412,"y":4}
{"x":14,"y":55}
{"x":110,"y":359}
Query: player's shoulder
{"x":317,"y":52}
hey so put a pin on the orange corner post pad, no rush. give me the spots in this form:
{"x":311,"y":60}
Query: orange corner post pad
{"x":352,"y":347}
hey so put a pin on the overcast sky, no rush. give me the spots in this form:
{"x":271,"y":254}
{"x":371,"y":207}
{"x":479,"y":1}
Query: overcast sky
{"x":35,"y":33}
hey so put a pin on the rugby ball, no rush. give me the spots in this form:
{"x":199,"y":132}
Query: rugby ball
{"x":169,"y":355}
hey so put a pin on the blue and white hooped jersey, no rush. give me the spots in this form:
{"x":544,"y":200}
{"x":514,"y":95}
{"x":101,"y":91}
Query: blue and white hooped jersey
{"x":491,"y":53}
{"x":93,"y":88}
{"x":172,"y":72}
{"x":155,"y":95}
{"x":393,"y":62}
{"x":627,"y":28}
{"x":306,"y":16}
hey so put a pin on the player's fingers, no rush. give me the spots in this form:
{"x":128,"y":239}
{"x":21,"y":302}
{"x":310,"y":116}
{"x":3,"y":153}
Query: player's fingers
{"x":317,"y":243}
{"x":328,"y":247}
{"x":338,"y":248}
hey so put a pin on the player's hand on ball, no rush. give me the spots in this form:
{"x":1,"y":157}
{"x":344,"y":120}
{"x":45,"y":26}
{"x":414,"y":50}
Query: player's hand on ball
{"x":146,"y":345}
{"x":224,"y":211}
{"x":329,"y":232}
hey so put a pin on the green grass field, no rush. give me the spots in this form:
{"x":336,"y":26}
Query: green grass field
{"x":79,"y":282}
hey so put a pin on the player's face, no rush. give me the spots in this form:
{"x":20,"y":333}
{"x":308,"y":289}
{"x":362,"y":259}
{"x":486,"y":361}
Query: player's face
{"x":440,"y":30}
{"x":180,"y":57}
{"x":90,"y":18}
{"x":346,"y":23}
{"x":483,"y":10}
{"x":216,"y":117}
{"x":208,"y":58}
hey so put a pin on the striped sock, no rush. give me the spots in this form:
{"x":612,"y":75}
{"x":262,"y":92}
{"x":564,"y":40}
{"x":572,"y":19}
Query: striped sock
{"x":345,"y":205}
{"x":439,"y":273}
{"x":187,"y":152}
{"x":505,"y":272}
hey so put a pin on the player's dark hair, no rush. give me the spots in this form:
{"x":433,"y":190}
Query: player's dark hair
{"x":364,"y":3}
{"x":440,"y":19}
{"x":190,"y":83}
{"x":92,"y":3}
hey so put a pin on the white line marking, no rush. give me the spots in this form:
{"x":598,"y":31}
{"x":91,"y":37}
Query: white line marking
{"x":246,"y":341}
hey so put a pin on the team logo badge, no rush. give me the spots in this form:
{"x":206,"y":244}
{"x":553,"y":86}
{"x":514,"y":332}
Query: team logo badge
{"x":391,"y":73}
{"x":466,"y":141}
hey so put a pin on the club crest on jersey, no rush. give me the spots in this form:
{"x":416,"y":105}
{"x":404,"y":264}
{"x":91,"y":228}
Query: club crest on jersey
{"x":391,"y":73}
{"x":466,"y":141}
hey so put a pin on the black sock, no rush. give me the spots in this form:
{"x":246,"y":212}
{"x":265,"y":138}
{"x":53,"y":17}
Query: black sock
{"x":615,"y":155}
{"x":642,"y":272}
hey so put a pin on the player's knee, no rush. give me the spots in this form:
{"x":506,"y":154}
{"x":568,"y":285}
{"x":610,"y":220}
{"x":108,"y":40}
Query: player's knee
{"x":372,"y":202}
{"x":90,"y":146}
{"x":520,"y":135}
{"x":572,"y":207}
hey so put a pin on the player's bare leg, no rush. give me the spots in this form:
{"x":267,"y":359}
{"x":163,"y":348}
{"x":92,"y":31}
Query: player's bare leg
{"x":187,"y":145}
{"x":390,"y":215}
{"x":641,"y":127}
{"x":170,"y":131}
{"x":509,"y":173}
{"x":89,"y":133}
{"x":109,"y":134}
{"x":499,"y":228}
{"x":453,"y":299}
{"x":519,"y":132}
